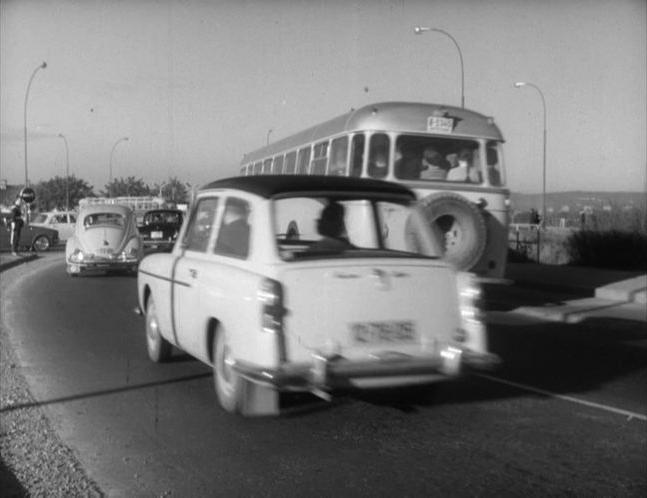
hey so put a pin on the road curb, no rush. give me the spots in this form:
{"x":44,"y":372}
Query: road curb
{"x":6,"y":264}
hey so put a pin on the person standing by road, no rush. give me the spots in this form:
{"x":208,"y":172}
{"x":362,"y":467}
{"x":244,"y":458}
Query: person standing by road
{"x":16,"y":226}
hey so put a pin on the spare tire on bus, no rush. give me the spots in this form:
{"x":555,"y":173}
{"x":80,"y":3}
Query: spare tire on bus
{"x":461,"y":223}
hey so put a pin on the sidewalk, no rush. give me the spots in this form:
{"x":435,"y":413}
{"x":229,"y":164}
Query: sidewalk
{"x":595,"y":291}
{"x":8,"y":260}
{"x":579,"y":280}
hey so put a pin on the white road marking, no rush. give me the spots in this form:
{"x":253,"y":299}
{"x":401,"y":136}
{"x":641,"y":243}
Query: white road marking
{"x":600,"y":406}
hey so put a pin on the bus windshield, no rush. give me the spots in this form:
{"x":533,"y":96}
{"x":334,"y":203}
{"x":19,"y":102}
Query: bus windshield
{"x":424,"y":157}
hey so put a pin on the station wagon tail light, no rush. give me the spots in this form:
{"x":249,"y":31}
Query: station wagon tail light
{"x":270,"y":295}
{"x":469,"y":301}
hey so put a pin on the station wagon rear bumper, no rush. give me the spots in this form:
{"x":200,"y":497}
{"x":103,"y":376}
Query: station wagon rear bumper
{"x":327,"y":373}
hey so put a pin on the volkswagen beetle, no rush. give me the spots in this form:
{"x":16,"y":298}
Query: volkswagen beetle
{"x":105,"y":238}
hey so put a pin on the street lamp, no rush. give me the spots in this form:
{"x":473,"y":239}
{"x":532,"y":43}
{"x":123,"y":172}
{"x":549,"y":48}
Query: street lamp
{"x":267,"y":141}
{"x":67,"y":173}
{"x":42,"y":66}
{"x":122,"y":139}
{"x":519,"y":84}
{"x":421,"y":29}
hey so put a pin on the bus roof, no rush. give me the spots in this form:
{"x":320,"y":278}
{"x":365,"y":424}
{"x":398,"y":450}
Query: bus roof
{"x":402,"y":117}
{"x":271,"y":185}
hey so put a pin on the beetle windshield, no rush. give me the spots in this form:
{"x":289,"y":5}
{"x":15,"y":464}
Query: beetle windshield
{"x":358,"y":226}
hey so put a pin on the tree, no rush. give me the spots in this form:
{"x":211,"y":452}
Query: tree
{"x":173,"y":190}
{"x":127,"y":187}
{"x":52,"y":194}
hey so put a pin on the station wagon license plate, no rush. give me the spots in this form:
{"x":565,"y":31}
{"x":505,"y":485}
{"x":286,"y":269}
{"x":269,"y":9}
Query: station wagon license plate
{"x":387,"y":332}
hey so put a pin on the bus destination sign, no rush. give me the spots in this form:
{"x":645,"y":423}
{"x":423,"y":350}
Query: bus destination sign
{"x":439,"y":124}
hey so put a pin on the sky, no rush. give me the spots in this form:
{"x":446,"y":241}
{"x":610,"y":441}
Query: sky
{"x":195,"y":84}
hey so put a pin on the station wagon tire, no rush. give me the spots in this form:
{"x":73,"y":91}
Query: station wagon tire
{"x":159,"y":349}
{"x":229,"y":385}
{"x":41,"y":243}
{"x":463,"y":225}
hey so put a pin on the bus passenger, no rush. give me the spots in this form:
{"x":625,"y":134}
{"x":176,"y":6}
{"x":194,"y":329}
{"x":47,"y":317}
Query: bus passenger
{"x":338,"y":163}
{"x":465,"y":170}
{"x":378,"y":166}
{"x":407,"y":166}
{"x":434,"y":165}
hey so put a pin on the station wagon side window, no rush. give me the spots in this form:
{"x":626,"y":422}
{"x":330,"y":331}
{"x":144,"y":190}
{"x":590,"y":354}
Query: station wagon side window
{"x":72,"y":218}
{"x":233,"y":236}
{"x":196,"y":237}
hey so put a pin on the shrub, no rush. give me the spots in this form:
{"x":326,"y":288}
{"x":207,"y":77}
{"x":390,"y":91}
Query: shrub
{"x":608,"y":249}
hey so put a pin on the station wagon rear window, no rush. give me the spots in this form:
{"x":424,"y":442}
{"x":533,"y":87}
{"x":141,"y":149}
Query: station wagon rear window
{"x":350,"y":227}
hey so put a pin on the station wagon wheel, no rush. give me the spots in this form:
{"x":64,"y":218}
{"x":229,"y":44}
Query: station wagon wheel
{"x":41,"y":243}
{"x":228,"y":384}
{"x":159,"y":349}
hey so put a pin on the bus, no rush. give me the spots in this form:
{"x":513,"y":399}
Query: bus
{"x":139,"y":204}
{"x":451,"y":157}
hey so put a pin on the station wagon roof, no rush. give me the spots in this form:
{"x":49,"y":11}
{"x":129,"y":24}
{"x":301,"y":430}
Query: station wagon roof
{"x":271,"y":185}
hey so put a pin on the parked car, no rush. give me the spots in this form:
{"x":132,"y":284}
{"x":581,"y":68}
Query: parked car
{"x":306,"y":283}
{"x":32,"y":238}
{"x":105,"y":238}
{"x":160,"y":227}
{"x":61,"y":221}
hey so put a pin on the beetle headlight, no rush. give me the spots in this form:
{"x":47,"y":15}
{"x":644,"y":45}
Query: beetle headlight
{"x":77,"y":256}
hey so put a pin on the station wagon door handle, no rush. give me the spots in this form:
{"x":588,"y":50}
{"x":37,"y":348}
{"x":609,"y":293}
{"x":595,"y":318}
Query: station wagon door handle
{"x":193,"y":272}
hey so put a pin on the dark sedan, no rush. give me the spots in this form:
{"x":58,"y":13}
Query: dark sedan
{"x":31,"y":237}
{"x":160,"y":227}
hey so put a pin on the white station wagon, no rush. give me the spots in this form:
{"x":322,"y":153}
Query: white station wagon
{"x":304,"y":283}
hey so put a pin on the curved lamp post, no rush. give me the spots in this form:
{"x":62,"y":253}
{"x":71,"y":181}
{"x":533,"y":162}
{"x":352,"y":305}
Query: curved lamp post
{"x":122,"y":139}
{"x":519,"y":84}
{"x":42,"y":66}
{"x":67,"y":173}
{"x":421,"y":29}
{"x":267,"y":141}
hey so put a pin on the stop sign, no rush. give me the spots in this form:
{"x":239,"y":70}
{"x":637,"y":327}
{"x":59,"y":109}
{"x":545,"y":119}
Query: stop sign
{"x":28,"y":195}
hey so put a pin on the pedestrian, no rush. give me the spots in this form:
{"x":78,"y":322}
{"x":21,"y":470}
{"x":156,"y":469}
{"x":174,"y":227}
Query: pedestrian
{"x":16,"y":226}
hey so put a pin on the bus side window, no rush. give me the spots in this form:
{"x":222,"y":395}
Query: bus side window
{"x":290,"y":162}
{"x":493,"y":164}
{"x":378,"y":159}
{"x":338,"y":157}
{"x":304,"y":160}
{"x":257,"y":168}
{"x":277,"y":169}
{"x":267,"y":166}
{"x":357,"y":155}
{"x":318,"y":166}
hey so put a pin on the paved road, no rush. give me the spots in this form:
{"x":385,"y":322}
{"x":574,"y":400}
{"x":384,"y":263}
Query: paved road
{"x":148,"y":430}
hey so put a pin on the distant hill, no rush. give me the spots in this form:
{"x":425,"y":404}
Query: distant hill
{"x":578,"y":200}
